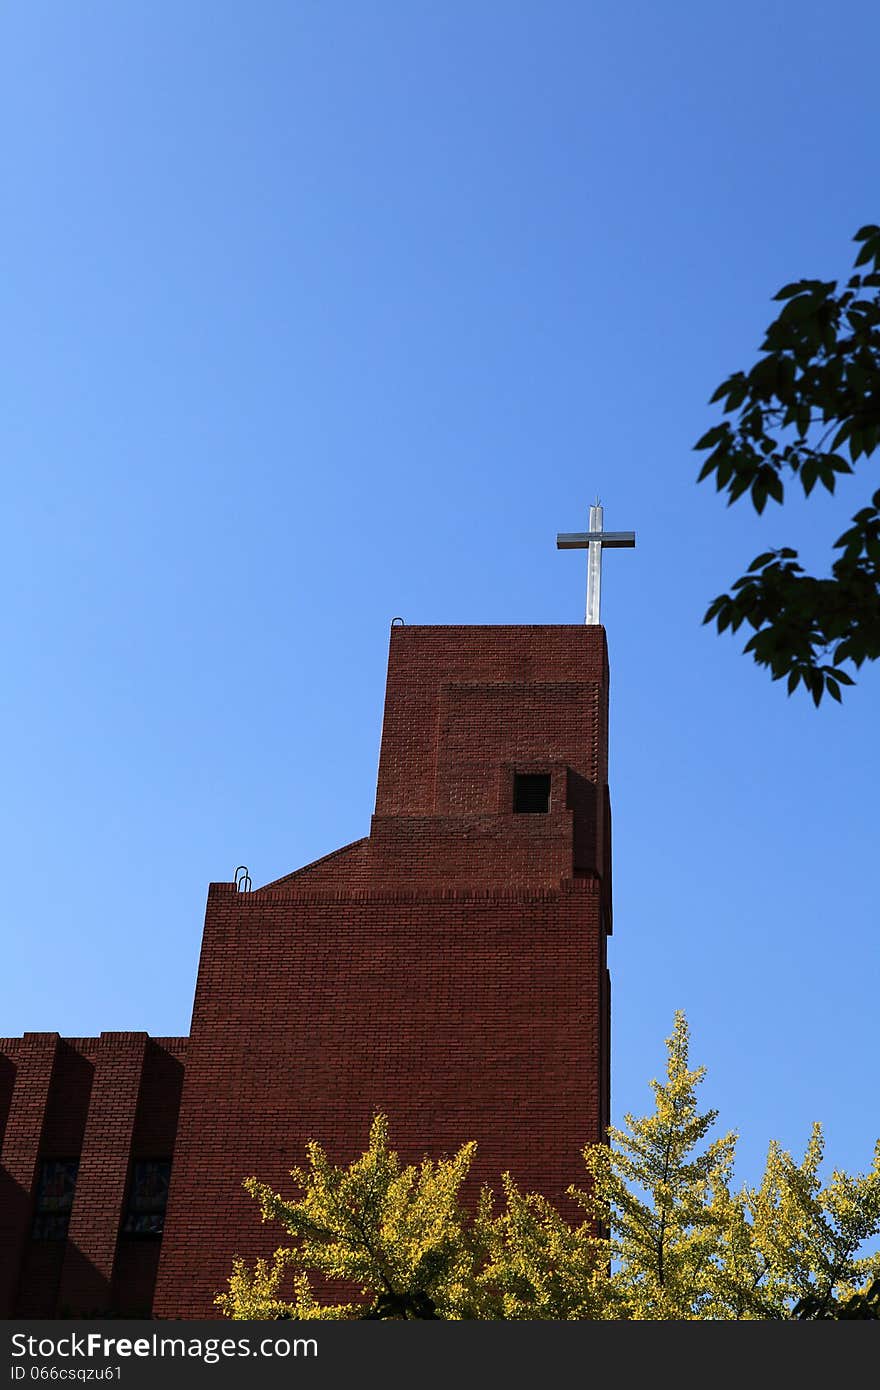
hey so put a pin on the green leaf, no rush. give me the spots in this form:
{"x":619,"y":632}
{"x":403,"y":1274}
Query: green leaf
{"x":869,"y":251}
{"x":774,"y":486}
{"x":788,"y":291}
{"x":712,"y":436}
{"x":764,"y":375}
{"x":760,"y":561}
{"x":800,"y":309}
{"x":842,"y":433}
{"x":739,"y":485}
{"x":714,"y":608}
{"x":793,"y":680}
{"x":833,"y":689}
{"x":738,"y":393}
{"x":808,"y":476}
{"x":826,"y":475}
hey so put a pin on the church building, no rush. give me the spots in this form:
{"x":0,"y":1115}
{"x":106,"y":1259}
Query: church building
{"x":448,"y":969}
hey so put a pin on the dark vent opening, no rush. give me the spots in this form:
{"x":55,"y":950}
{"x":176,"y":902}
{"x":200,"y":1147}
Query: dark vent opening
{"x":531,"y":792}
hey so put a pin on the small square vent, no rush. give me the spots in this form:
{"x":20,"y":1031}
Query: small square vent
{"x":531,"y":793}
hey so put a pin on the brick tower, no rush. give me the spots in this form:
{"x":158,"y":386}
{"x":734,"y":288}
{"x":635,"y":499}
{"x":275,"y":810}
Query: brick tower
{"x":449,"y":969}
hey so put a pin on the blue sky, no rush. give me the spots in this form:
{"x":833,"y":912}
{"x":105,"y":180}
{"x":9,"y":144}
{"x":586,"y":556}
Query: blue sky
{"x":317,"y":314}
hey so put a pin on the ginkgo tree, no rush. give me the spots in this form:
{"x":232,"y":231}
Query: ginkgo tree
{"x":397,"y":1232}
{"x":663,"y":1234}
{"x":665,"y":1195}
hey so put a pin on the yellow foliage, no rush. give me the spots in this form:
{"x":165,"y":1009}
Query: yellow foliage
{"x":664,"y":1236}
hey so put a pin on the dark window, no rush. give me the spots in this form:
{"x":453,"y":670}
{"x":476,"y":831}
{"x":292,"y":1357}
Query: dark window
{"x":531,"y":792}
{"x":55,"y":1189}
{"x":147,"y":1197}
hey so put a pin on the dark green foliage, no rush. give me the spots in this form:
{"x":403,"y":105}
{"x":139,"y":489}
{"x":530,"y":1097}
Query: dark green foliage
{"x":859,"y":1305}
{"x":809,"y":409}
{"x":400,"y":1307}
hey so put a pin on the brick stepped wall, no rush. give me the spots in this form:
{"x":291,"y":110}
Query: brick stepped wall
{"x":449,"y":969}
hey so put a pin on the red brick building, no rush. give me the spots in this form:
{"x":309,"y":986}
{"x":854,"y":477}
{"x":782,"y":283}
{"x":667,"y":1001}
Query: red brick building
{"x":448,"y":969}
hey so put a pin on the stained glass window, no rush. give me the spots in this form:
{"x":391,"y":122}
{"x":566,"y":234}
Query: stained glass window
{"x":147,"y":1197}
{"x":55,"y":1189}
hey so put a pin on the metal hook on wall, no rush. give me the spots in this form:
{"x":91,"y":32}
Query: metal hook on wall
{"x":242,"y":879}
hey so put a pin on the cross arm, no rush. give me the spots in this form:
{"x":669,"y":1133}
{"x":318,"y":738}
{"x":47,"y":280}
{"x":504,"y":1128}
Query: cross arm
{"x":579,"y":540}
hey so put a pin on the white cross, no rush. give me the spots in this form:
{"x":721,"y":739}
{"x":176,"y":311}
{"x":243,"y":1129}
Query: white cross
{"x":593,"y":542}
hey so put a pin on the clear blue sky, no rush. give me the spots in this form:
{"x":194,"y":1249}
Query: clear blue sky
{"x":319,"y":313}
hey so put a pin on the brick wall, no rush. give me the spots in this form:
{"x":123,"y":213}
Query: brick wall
{"x":29,"y":1063}
{"x":104,"y":1102}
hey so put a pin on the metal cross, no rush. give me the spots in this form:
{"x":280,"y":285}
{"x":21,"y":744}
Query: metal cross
{"x":593,"y":542}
